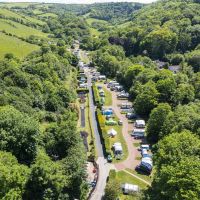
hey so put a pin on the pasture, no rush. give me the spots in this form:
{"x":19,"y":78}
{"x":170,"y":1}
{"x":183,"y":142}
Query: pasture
{"x":19,"y":29}
{"x":13,"y":45}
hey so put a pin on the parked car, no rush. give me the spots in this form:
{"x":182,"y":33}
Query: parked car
{"x":131,"y":116}
{"x":145,"y":146}
{"x":109,"y":158}
{"x":144,"y":167}
{"x":138,"y":133}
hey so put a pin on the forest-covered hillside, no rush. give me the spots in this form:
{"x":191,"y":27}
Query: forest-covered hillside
{"x":152,"y":50}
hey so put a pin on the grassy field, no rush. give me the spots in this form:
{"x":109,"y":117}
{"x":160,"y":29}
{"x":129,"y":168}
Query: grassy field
{"x":48,"y":15}
{"x":108,"y":98}
{"x":118,"y":138}
{"x":20,"y":4}
{"x":13,"y":45}
{"x":108,"y":95}
{"x":143,"y":176}
{"x":91,"y":20}
{"x":19,"y":29}
{"x":124,"y":177}
{"x":8,"y":13}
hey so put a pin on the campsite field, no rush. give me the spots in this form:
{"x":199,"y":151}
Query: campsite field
{"x":13,"y":45}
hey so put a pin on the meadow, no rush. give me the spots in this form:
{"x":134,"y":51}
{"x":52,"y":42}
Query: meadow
{"x":13,"y":45}
{"x":19,"y":29}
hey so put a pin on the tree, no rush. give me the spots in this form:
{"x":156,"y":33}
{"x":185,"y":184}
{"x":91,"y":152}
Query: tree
{"x":112,"y":190}
{"x":156,"y":120}
{"x":160,"y":42}
{"x":177,"y":162}
{"x":180,"y":181}
{"x":166,"y":88}
{"x":184,"y":117}
{"x":47,"y":179}
{"x":131,"y":74}
{"x":61,"y":137}
{"x":18,"y":134}
{"x":146,"y":100}
{"x":13,"y":177}
{"x":184,"y":94}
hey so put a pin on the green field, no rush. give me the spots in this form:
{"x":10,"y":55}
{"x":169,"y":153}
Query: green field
{"x":19,"y":29}
{"x":11,"y":5}
{"x":8,"y":13}
{"x":13,"y":45}
{"x":48,"y":15}
{"x":91,"y":20}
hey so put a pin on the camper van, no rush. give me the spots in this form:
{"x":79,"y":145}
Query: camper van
{"x":138,"y":133}
{"x":129,"y":188}
{"x":140,"y":124}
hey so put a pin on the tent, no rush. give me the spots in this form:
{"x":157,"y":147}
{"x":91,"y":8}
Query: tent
{"x":112,"y":132}
{"x":117,"y":148}
{"x":129,"y":188}
{"x":107,"y":112}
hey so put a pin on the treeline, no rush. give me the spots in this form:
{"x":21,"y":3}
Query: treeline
{"x":41,"y":153}
{"x":113,"y":12}
{"x":68,"y":27}
{"x":160,"y":29}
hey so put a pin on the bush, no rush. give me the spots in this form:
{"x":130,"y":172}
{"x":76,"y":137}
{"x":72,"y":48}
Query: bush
{"x":96,"y":96}
{"x":103,"y":132}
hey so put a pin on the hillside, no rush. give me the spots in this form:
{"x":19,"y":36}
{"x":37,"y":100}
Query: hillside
{"x":20,"y":33}
{"x":161,"y":28}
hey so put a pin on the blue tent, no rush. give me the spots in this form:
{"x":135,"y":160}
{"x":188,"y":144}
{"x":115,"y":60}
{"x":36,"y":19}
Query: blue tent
{"x":107,"y":112}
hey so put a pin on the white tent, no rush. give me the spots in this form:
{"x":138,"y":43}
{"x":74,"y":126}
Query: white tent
{"x":129,"y":188}
{"x":112,"y":132}
{"x":118,"y":148}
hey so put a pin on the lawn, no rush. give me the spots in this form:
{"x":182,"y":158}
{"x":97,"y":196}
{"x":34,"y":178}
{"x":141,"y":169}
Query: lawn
{"x":13,"y":45}
{"x":143,"y":176}
{"x":108,"y":95}
{"x":118,"y":138}
{"x":108,"y":98}
{"x":124,"y":177}
{"x":19,"y":29}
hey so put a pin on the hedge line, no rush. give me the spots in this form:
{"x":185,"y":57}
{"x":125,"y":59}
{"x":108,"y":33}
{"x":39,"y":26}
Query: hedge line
{"x":103,"y":133}
{"x":97,"y":100}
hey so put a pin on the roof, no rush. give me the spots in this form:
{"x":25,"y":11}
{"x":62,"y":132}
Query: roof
{"x":137,"y":130}
{"x":140,"y":122}
{"x":112,"y":132}
{"x":130,"y":187}
{"x":147,"y":160}
{"x":117,"y":146}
